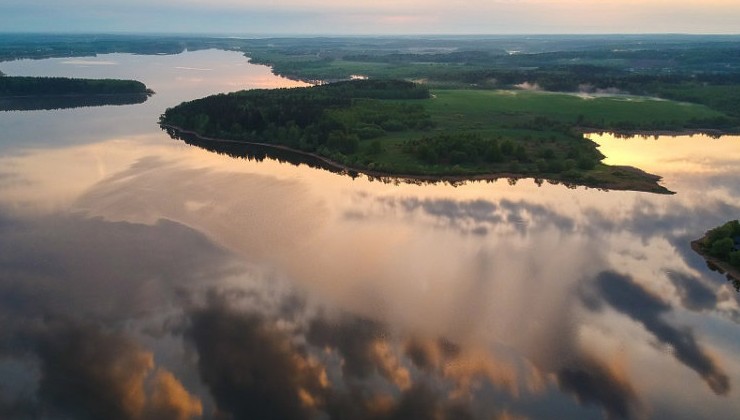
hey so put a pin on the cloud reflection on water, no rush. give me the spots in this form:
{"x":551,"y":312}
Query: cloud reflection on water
{"x":234,"y":286}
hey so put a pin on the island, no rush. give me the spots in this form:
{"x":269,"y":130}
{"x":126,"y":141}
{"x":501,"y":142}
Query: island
{"x":21,"y":93}
{"x":721,"y":248}
{"x":386,"y":127}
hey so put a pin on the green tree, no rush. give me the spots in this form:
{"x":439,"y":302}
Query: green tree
{"x":722,"y":247}
{"x":507,"y":148}
{"x":735,"y":258}
{"x":375,"y":148}
{"x":521,"y":153}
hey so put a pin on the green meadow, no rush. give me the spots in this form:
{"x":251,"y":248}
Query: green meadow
{"x":483,"y":108}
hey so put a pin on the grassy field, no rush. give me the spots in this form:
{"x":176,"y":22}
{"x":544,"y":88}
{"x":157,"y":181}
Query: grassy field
{"x":483,"y":108}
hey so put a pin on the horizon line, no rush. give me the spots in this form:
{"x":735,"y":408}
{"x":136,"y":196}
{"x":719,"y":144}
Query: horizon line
{"x":366,"y":35}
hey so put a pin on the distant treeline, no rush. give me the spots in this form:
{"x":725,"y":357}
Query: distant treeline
{"x":329,"y":118}
{"x":37,"y":46}
{"x":698,"y":69}
{"x":52,"y":86}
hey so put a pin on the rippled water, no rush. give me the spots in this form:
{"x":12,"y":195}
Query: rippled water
{"x":140,"y":276}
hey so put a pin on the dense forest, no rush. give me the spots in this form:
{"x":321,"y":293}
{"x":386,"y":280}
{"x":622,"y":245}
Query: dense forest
{"x":723,"y":242}
{"x":331,"y":119}
{"x":50,"y":86}
{"x":19,"y":93}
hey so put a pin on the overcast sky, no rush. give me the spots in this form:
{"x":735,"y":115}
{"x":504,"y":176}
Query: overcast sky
{"x":372,"y":16}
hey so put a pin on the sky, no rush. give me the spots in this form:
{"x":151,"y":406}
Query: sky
{"x":373,"y":17}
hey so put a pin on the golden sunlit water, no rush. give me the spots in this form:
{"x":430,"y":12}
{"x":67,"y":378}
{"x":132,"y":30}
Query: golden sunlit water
{"x":188,"y":270}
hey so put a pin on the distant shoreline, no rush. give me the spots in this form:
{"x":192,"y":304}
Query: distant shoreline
{"x":148,"y":93}
{"x":452,"y":179}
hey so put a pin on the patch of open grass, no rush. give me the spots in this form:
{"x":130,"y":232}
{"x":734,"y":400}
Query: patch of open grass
{"x":481,"y":108}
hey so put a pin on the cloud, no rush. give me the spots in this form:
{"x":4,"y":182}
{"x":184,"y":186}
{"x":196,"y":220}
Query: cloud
{"x":353,"y":338}
{"x":170,"y":400}
{"x":631,"y":299}
{"x":251,"y":369}
{"x":478,"y":217}
{"x":422,"y":402}
{"x":67,"y":284}
{"x":592,"y":382}
{"x":338,"y":366}
{"x":86,"y":267}
{"x":693,"y":293}
{"x":89,"y":373}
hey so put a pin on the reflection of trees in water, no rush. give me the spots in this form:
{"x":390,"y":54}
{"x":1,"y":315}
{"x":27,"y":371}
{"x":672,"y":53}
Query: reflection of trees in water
{"x":735,"y":282}
{"x":259,"y":152}
{"x":34,"y":103}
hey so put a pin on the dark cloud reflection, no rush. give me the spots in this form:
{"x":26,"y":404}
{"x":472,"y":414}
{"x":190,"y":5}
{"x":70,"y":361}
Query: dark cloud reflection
{"x":86,"y":371}
{"x":251,"y":369}
{"x":92,"y":267}
{"x":693,"y":293}
{"x":353,"y":338}
{"x":631,"y":299}
{"x":338,"y":367}
{"x":593,"y":383}
{"x":70,"y":289}
{"x":477,"y":217}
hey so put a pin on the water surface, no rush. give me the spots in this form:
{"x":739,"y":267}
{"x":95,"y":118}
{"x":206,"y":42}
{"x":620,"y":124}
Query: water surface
{"x":143,"y":277}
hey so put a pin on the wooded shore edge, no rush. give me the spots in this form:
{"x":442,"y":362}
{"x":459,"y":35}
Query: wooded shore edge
{"x":723,"y":267}
{"x":451,"y":179}
{"x":720,"y":246}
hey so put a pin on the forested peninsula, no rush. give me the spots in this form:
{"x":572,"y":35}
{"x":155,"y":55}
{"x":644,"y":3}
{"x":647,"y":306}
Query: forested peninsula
{"x":404,"y":129}
{"x":20,"y":93}
{"x":720,"y":246}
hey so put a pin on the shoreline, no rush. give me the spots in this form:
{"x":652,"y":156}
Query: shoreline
{"x":625,"y":134}
{"x":731,"y":272}
{"x":452,"y":179}
{"x":148,"y":93}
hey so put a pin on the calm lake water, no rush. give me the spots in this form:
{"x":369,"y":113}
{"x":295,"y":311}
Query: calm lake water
{"x":144,"y":278}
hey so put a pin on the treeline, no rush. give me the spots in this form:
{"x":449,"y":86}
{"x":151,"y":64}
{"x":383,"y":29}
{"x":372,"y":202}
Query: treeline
{"x":459,"y":57}
{"x":723,"y":242}
{"x":331,"y":119}
{"x":51,"y":86}
{"x":526,"y":156}
{"x":39,"y":46}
